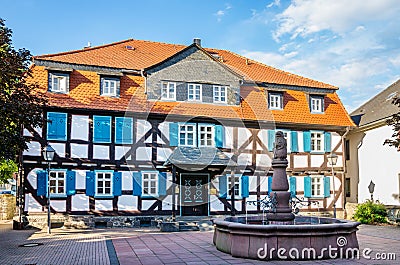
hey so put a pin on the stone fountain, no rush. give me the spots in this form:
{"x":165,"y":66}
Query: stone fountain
{"x":285,"y":236}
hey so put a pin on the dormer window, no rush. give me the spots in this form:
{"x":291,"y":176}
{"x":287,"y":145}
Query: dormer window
{"x":109,"y":86}
{"x":219,"y":94}
{"x":194,"y":92}
{"x":168,"y":91}
{"x":275,"y":101}
{"x":316,"y":104}
{"x":58,"y":82}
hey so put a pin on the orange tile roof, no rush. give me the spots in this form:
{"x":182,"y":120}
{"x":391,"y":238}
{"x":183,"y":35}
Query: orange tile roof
{"x":147,"y":53}
{"x":84,"y":86}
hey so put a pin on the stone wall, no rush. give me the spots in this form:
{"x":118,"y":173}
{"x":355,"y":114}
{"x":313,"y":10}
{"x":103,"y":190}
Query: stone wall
{"x":7,"y":206}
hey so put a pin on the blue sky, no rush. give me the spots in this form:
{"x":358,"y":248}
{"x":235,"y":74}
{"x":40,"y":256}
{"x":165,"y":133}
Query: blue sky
{"x":354,"y":45}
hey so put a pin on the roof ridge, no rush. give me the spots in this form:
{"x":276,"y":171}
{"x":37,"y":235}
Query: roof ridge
{"x":357,"y":110}
{"x":81,"y":50}
{"x":279,"y":70}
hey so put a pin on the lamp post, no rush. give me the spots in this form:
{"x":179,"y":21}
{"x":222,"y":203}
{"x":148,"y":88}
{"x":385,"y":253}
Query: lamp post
{"x":48,"y":155}
{"x":371,"y":189}
{"x":332,"y":160}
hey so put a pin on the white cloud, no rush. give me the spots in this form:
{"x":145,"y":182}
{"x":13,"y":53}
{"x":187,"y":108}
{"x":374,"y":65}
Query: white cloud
{"x":274,"y":3}
{"x":220,"y":13}
{"x":304,"y":17}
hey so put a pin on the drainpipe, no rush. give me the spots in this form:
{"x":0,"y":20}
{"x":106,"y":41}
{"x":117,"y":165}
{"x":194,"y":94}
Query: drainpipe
{"x":344,"y":170}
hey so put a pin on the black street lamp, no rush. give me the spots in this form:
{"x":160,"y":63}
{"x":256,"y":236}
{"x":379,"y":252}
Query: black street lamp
{"x":332,"y":160}
{"x":48,"y":155}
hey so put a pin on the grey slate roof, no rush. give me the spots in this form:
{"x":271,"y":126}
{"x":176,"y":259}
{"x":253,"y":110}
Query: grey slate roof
{"x":198,"y":156}
{"x":379,"y":108}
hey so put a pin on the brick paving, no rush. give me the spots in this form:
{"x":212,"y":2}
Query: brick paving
{"x":134,"y":246}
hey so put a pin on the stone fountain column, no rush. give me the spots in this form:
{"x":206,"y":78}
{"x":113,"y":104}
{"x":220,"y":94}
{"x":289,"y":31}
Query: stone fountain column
{"x":282,"y":212}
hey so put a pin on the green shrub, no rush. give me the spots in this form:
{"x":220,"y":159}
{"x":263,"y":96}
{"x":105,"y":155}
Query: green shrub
{"x":370,"y":212}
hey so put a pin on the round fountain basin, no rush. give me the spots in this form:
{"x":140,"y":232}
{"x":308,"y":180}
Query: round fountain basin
{"x":308,"y":238}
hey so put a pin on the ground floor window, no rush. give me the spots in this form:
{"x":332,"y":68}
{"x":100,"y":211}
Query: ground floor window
{"x":236,"y":186}
{"x":57,"y":182}
{"x":149,"y":183}
{"x":104,"y":183}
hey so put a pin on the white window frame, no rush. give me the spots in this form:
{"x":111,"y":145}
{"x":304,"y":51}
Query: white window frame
{"x":192,"y":92}
{"x":212,"y":133}
{"x":61,"y":79}
{"x":316,"y":104}
{"x":238,"y":186}
{"x":166,"y":94}
{"x":58,"y":178}
{"x":102,"y":179}
{"x":288,"y":138}
{"x":217,"y":94}
{"x":146,"y":183}
{"x":275,"y":101}
{"x":109,"y":82}
{"x":317,"y":184}
{"x":314,"y":141}
{"x":186,"y":132}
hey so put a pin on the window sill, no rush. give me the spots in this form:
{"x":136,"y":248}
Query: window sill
{"x":58,"y":92}
{"x":58,"y":196}
{"x":103,"y":196}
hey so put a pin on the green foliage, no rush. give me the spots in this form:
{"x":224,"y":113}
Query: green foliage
{"x":394,"y":121}
{"x":370,"y":212}
{"x":7,"y":169}
{"x":20,"y":104}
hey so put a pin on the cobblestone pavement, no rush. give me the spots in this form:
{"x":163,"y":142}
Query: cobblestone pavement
{"x":133,"y":246}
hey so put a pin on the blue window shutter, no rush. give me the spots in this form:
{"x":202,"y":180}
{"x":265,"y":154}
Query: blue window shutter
{"x":327,"y":141}
{"x":327,"y":187}
{"x":292,"y":186}
{"x":294,"y":145}
{"x":307,"y":141}
{"x":269,"y":185}
{"x":173,"y":134}
{"x":245,"y":186}
{"x":41,"y":189}
{"x":117,"y":183}
{"x":307,"y":187}
{"x":223,"y":186}
{"x":56,"y":126}
{"x":71,"y":178}
{"x":123,"y":130}
{"x":137,"y":183}
{"x":90,"y":183}
{"x":271,"y":140}
{"x":219,"y":136}
{"x":101,"y":129}
{"x":162,"y":183}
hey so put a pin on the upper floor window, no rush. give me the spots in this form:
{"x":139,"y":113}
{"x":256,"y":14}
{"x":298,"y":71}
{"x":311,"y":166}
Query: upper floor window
{"x":206,"y":135}
{"x":101,"y":129}
{"x":236,"y":186}
{"x":317,"y":142}
{"x":150,"y":183}
{"x":187,"y":135}
{"x":275,"y":100}
{"x":57,"y":182}
{"x":194,"y":92}
{"x":219,"y":94}
{"x":58,"y":82}
{"x":56,"y":126}
{"x":109,"y":86}
{"x":168,"y":90}
{"x":317,"y":104}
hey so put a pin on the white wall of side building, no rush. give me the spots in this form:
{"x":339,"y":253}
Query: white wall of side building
{"x":381,"y":164}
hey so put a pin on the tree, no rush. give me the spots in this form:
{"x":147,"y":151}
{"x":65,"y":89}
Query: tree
{"x":21,"y":106}
{"x":394,"y":121}
{"x":7,"y":169}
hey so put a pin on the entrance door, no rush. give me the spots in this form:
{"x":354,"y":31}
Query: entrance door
{"x":194,"y":195}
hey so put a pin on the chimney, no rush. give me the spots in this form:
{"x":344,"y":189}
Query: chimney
{"x":197,"y":41}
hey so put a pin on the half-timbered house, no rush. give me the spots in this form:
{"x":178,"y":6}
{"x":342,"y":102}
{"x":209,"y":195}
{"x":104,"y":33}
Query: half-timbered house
{"x":145,"y":128}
